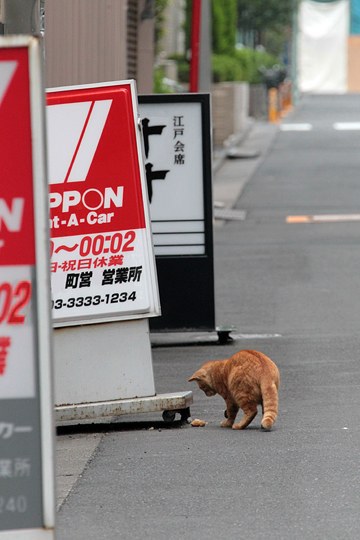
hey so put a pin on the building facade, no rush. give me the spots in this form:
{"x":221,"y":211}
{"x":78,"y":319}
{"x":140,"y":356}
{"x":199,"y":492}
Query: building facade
{"x":88,"y":41}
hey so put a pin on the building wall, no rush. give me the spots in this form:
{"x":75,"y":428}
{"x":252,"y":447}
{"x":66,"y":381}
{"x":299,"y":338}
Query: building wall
{"x":89,"y":41}
{"x":145,"y":45}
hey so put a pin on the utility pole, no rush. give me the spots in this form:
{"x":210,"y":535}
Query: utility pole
{"x":195,"y":45}
{"x":200,"y":70}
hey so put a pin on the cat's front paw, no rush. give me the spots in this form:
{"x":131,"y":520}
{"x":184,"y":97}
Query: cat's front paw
{"x":226,"y":423}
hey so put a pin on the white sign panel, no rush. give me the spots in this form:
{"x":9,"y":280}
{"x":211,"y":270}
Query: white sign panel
{"x":174,"y":167}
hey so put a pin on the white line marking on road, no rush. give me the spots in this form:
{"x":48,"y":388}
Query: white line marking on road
{"x":229,"y":214}
{"x":256,"y":336}
{"x":324,"y":218}
{"x":337,"y":217}
{"x":347,"y":126}
{"x":296,"y":127}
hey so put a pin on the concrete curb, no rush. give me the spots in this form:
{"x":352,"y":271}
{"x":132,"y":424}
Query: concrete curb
{"x":220,"y":154}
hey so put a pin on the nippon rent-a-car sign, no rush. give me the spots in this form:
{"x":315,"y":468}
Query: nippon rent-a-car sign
{"x":102,"y":261}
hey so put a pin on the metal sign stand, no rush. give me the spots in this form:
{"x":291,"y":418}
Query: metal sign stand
{"x":99,"y":369}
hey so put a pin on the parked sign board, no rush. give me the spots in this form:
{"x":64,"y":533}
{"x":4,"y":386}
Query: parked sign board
{"x":102,"y":261}
{"x":177,"y":145}
{"x":26,"y":428}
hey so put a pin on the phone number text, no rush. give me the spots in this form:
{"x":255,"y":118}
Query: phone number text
{"x":96,"y":300}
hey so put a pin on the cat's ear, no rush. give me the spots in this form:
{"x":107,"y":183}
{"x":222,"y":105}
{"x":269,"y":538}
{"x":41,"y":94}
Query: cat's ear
{"x":197,"y":376}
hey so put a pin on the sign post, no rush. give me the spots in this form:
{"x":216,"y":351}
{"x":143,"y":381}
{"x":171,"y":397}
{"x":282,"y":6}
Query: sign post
{"x":27,"y":505}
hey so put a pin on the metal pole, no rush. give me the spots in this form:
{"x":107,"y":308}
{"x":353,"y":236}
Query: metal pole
{"x":205,"y":48}
{"x":195,"y":45}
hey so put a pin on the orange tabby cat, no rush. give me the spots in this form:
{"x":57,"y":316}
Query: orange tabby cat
{"x":245,"y":380}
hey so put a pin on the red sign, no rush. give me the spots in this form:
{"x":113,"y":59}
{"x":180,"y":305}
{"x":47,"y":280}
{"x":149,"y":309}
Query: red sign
{"x":17,"y":243}
{"x":16,"y":203}
{"x":101,"y":247}
{"x":27,"y":501}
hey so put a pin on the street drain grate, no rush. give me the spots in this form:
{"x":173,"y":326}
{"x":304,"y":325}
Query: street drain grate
{"x":229,"y":214}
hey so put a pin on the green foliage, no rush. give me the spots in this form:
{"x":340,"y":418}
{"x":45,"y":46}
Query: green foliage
{"x":251,"y":61}
{"x":260,"y":15}
{"x":224,"y":16}
{"x":243,"y":65}
{"x":229,"y":63}
{"x":159,"y":86}
{"x":267,"y":21}
{"x":226,"y":68}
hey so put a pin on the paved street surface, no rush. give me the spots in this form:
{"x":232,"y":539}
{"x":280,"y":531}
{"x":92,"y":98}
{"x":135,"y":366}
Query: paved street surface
{"x":289,"y":282}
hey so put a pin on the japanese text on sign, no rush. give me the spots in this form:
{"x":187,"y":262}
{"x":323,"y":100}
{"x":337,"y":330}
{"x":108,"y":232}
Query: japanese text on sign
{"x":172,"y":133}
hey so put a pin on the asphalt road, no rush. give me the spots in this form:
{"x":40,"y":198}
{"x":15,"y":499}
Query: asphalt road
{"x":292,"y":290}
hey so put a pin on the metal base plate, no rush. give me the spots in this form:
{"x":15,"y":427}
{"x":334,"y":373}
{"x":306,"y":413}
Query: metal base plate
{"x":87,"y":412}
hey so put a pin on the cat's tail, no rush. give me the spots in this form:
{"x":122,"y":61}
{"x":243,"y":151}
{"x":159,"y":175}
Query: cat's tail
{"x":270,"y":399}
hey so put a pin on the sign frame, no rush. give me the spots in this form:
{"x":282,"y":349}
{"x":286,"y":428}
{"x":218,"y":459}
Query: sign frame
{"x":144,"y":246}
{"x":41,"y":287}
{"x":190,"y":306}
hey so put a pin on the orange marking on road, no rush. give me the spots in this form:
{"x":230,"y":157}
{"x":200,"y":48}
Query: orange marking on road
{"x":298,"y":219}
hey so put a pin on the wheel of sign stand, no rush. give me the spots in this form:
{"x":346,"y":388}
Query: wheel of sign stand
{"x":185,"y":414}
{"x":169,"y":416}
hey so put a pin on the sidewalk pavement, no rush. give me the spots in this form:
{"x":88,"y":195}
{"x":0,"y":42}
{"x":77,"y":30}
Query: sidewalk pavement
{"x":229,"y":179}
{"x":233,"y":166}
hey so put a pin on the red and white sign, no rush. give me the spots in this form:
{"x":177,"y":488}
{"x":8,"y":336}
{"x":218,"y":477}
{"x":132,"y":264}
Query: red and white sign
{"x":17,"y":244}
{"x":26,"y":402}
{"x":102,"y":262}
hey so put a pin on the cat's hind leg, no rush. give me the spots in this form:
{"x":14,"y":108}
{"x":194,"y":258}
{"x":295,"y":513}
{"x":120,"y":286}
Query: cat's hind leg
{"x":231,"y":412}
{"x":250,"y":411}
